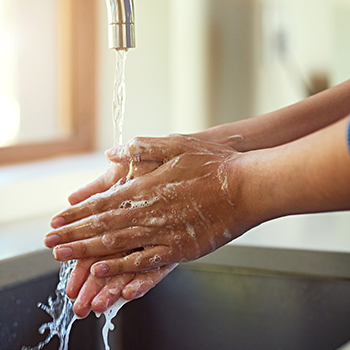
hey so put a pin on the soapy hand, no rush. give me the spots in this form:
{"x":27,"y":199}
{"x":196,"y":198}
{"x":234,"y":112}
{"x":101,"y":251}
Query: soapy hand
{"x":179,"y":212}
{"x":99,"y":294}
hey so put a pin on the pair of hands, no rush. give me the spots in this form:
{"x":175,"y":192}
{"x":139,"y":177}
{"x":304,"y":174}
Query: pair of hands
{"x":130,"y":231}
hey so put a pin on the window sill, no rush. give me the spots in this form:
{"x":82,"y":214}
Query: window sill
{"x":32,"y":193}
{"x":41,"y":188}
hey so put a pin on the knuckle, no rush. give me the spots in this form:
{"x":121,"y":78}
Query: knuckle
{"x":82,"y":249}
{"x":98,"y":224}
{"x":118,"y":266}
{"x":114,"y":241}
{"x":67,"y":234}
{"x":135,"y":140}
{"x":136,"y":146}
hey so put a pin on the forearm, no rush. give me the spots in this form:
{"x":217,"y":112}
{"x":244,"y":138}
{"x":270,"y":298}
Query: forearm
{"x":284,"y":125}
{"x":309,"y":175}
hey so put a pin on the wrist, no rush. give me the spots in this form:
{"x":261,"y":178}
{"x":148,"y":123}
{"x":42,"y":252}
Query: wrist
{"x":227,"y":134}
{"x":247,"y":189}
{"x":309,"y":175}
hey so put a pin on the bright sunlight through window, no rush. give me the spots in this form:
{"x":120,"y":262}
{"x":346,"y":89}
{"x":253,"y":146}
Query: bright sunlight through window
{"x":9,"y":106}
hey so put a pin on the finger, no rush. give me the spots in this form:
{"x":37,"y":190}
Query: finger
{"x":104,"y":223}
{"x":147,"y":259}
{"x":114,"y":173}
{"x":112,"y":198}
{"x":138,"y":168}
{"x":95,"y":204}
{"x":144,"y":282}
{"x":162,"y":149}
{"x":97,"y":186}
{"x":109,"y":244}
{"x":92,"y":286}
{"x":110,"y":293}
{"x":78,"y":276}
{"x":147,"y":149}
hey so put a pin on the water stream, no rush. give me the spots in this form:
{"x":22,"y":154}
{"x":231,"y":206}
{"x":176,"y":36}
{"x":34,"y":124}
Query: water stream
{"x":119,"y":96}
{"x":61,"y":311}
{"x":61,"y":308}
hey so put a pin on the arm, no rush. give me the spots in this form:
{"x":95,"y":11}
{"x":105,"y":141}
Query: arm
{"x":284,"y":125}
{"x":265,"y":131}
{"x":309,"y":175}
{"x":206,"y":195}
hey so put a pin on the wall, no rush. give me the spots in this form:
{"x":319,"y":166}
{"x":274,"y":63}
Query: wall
{"x":165,"y":74}
{"x":146,"y":75}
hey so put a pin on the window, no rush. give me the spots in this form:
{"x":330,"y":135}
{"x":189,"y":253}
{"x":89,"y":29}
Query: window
{"x":47,"y":78}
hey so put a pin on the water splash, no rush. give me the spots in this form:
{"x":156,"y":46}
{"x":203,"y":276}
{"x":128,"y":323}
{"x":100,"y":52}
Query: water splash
{"x":61,"y":311}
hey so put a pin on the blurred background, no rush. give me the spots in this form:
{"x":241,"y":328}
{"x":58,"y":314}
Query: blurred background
{"x":197,"y":63}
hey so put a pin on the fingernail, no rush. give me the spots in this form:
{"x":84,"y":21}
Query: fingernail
{"x":61,"y":253}
{"x":58,"y":222}
{"x":99,"y":269}
{"x":52,"y":240}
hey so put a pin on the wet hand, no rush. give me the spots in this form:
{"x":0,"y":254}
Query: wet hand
{"x":116,"y":172}
{"x":179,"y":212}
{"x":100,"y":293}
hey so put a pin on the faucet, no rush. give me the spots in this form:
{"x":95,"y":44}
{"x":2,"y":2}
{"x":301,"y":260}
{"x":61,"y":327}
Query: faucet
{"x":121,"y":26}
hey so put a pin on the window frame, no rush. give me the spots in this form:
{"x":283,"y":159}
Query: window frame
{"x":77,"y":86}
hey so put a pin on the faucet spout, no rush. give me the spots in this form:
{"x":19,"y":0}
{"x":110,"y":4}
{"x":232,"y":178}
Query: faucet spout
{"x":121,"y":25}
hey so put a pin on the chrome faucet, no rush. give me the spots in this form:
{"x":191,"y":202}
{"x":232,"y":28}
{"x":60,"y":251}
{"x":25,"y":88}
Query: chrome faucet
{"x":121,"y":26}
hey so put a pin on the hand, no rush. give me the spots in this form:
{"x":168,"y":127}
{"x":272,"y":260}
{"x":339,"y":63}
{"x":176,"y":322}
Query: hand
{"x":96,"y":293}
{"x":100,"y":293}
{"x":116,"y":172}
{"x":179,"y":212}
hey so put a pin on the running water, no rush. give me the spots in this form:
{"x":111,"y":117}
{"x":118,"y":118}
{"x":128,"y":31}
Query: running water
{"x":61,"y":309}
{"x":119,"y":96}
{"x":118,"y":112}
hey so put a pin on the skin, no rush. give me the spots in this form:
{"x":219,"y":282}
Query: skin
{"x":203,"y":196}
{"x":96,"y":293}
{"x":284,"y":125}
{"x":183,"y":233}
{"x":227,"y":192}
